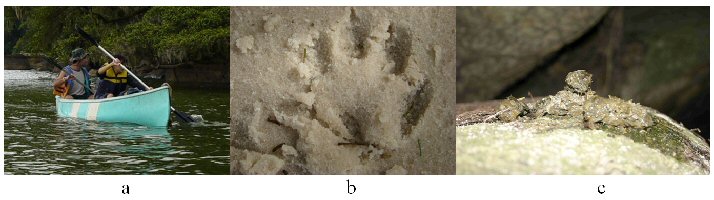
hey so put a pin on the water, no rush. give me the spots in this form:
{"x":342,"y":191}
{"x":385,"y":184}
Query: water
{"x":39,"y":142}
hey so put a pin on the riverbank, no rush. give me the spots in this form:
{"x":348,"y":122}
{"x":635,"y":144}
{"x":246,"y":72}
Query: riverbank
{"x":190,"y":75}
{"x":184,"y":46}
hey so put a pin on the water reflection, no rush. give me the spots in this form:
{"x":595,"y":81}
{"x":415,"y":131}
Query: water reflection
{"x":38,"y":142}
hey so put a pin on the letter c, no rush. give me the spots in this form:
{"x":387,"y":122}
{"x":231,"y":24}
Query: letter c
{"x":601,"y":189}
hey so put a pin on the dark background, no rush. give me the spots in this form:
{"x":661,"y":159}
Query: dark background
{"x":656,"y":56}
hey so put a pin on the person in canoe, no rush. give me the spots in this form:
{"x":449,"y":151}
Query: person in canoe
{"x":73,"y":81}
{"x":114,"y":80}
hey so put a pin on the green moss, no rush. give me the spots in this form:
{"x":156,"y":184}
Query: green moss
{"x":661,"y":136}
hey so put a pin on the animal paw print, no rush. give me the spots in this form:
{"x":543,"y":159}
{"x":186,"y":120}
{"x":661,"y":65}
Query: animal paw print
{"x":368,"y":55}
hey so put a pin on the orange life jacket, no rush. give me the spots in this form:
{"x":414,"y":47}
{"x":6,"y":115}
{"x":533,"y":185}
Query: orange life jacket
{"x":64,"y":88}
{"x":61,"y":90}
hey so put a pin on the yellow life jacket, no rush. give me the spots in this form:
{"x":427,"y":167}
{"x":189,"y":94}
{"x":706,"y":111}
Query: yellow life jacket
{"x":116,"y":78}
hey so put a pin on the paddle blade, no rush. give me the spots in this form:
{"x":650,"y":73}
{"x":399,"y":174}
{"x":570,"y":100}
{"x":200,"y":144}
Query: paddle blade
{"x":183,"y":116}
{"x":85,"y":35}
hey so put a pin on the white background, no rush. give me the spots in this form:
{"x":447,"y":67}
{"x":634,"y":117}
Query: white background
{"x":335,"y":187}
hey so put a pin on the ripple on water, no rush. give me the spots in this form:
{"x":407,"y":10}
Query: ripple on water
{"x":111,"y":143}
{"x":38,"y":142}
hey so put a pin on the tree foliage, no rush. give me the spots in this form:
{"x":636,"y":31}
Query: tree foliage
{"x":157,"y":35}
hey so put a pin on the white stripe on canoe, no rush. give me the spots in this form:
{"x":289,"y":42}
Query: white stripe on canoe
{"x":75,"y":110}
{"x":92,"y":111}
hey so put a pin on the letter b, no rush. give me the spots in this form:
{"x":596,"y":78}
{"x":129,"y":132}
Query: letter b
{"x":353,"y":188}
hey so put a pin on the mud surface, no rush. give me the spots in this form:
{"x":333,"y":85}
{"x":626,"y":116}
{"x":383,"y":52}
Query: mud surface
{"x":340,"y":90}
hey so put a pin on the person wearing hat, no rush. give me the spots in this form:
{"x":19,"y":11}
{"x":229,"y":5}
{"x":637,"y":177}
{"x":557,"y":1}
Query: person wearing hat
{"x":74,"y":79}
{"x":114,"y":79}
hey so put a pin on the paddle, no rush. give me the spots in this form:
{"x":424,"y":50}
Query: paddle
{"x":183,"y":116}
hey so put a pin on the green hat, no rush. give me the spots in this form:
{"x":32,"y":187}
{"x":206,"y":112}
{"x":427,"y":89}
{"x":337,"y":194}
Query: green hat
{"x":78,"y":54}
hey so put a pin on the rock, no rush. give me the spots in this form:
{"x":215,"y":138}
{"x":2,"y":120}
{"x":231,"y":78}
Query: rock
{"x":499,"y":45}
{"x":353,"y":90}
{"x":16,"y":62}
{"x":548,"y":146}
{"x":648,"y":54}
{"x":565,"y":118}
{"x":27,"y":61}
{"x":196,"y":75}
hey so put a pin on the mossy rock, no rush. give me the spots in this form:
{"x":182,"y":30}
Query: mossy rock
{"x":561,"y":146}
{"x":537,"y":136}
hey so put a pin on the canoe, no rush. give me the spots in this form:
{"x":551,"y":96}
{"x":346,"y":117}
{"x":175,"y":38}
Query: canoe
{"x":150,"y":108}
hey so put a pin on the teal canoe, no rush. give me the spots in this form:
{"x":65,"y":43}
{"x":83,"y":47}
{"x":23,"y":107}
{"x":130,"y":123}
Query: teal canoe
{"x":150,"y":108}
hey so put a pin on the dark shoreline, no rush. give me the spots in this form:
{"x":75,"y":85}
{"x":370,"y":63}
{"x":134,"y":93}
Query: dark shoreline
{"x":215,"y":76}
